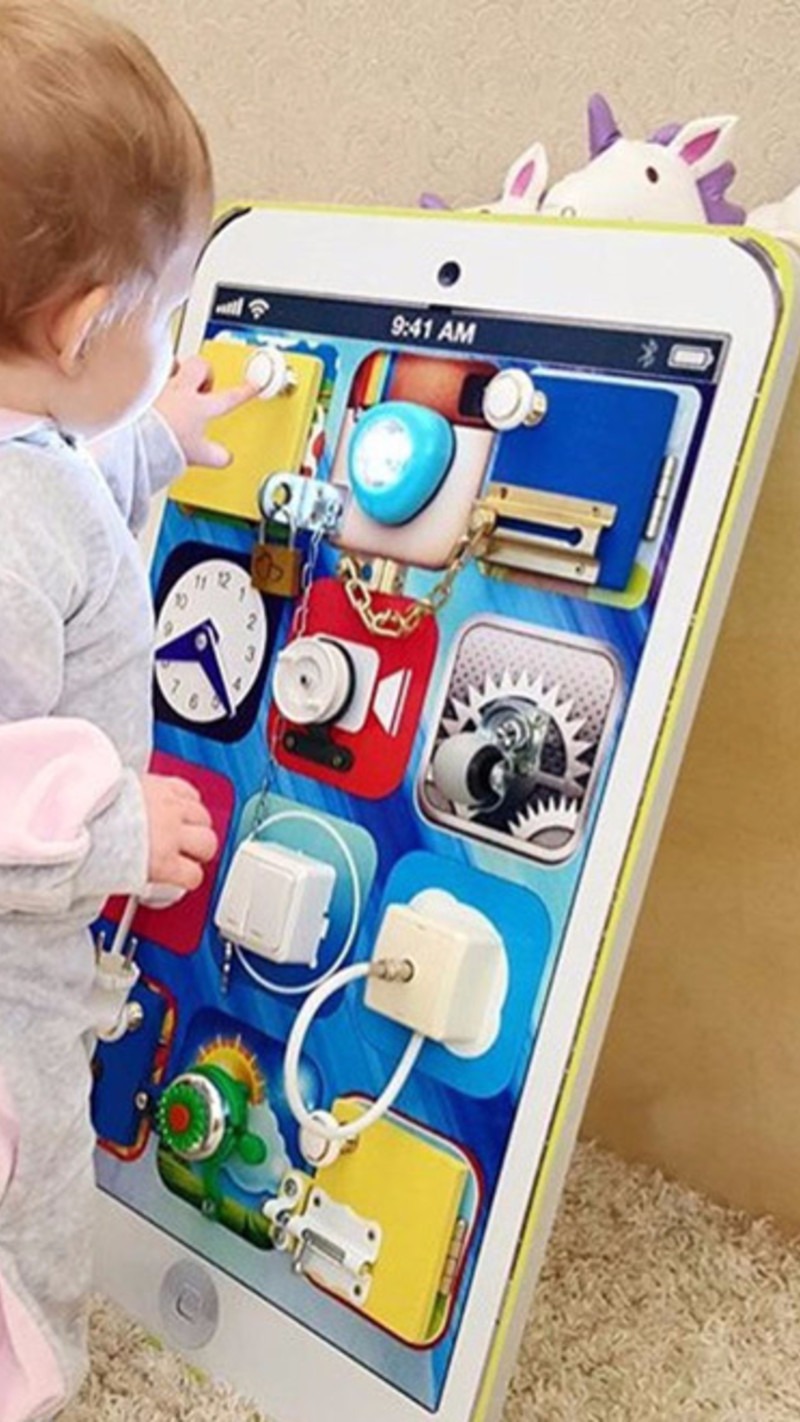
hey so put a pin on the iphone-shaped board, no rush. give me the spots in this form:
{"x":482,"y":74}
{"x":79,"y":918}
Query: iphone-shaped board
{"x":432,"y":646}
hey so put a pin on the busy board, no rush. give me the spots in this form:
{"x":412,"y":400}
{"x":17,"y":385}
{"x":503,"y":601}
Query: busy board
{"x":429,"y":650}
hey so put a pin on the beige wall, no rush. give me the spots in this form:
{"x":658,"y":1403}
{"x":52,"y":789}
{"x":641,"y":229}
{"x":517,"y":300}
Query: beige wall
{"x":374,"y":100}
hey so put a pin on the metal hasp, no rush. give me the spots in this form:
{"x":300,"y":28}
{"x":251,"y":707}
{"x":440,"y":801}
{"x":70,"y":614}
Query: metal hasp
{"x":330,"y":1243}
{"x":551,"y":534}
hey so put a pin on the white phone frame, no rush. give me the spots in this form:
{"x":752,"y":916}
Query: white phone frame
{"x":680,"y":281}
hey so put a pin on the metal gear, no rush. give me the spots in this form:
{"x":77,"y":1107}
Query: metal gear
{"x":562,"y":766}
{"x":556,"y":814}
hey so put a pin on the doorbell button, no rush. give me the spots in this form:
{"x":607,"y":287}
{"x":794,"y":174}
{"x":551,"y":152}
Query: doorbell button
{"x":511,"y":399}
{"x":270,"y":374}
{"x":399,"y":456}
{"x":314,"y":681}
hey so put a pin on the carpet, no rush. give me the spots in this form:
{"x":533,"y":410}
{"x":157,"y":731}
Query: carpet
{"x":653,"y":1305}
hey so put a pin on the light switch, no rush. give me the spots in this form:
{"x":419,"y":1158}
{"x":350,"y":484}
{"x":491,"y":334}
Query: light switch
{"x":275,"y":902}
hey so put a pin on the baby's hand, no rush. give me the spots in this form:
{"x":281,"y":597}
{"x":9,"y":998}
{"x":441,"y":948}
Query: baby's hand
{"x":181,"y":837}
{"x":190,"y":401}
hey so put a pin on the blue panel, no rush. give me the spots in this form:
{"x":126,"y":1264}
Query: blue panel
{"x":597,"y":441}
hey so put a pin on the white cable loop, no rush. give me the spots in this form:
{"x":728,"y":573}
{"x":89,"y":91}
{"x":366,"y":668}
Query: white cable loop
{"x":312,"y":1122}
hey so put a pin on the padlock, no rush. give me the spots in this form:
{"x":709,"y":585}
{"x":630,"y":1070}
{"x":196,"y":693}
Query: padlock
{"x":277,"y":564}
{"x":277,"y":569}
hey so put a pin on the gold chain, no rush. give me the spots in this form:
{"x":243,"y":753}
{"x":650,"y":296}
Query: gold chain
{"x":391,"y":623}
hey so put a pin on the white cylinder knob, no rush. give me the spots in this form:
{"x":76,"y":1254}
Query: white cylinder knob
{"x":511,"y":399}
{"x":316,"y":1147}
{"x":313,"y":681}
{"x":270,"y":373}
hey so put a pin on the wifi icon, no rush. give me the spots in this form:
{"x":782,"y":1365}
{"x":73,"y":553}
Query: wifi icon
{"x":258,"y":308}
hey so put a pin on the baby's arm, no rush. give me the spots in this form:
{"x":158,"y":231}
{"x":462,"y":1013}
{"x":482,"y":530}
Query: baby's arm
{"x":41,"y":583}
{"x":74,"y":824}
{"x":150,"y":454}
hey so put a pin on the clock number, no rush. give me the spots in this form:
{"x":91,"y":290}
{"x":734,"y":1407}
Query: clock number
{"x":224,"y":579}
{"x":252,"y":622}
{"x":250,"y":654}
{"x":181,"y":601}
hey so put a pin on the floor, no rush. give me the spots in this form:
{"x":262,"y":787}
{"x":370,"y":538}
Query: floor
{"x":654,"y":1305}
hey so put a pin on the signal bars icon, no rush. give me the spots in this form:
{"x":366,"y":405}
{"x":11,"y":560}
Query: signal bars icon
{"x":257,"y":308}
{"x":233,"y":308}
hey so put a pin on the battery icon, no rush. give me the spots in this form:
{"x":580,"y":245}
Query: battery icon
{"x":696,"y":359}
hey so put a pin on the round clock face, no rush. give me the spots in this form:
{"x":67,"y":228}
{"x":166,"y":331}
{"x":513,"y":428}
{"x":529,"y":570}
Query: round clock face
{"x":211,"y":641}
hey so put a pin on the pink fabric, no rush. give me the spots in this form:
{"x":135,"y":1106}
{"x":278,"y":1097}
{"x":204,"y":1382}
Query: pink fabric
{"x":56,"y":774}
{"x":31,"y":1383}
{"x":15,"y":423}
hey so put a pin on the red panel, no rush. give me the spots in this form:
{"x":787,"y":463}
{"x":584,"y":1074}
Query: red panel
{"x":180,"y":928}
{"x":382,"y":749}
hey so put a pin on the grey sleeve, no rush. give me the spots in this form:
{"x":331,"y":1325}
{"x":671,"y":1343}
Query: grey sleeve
{"x":138,"y":462}
{"x":42,"y":583}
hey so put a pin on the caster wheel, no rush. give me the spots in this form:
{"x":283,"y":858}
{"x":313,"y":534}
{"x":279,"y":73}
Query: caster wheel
{"x":470,"y":770}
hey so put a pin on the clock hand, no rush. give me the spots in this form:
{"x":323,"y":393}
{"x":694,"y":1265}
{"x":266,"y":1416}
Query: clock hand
{"x":189,"y":646}
{"x":211,"y":664}
{"x":199,"y":645}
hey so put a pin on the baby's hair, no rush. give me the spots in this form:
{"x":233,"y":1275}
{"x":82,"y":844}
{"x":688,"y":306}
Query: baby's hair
{"x":102,"y":164}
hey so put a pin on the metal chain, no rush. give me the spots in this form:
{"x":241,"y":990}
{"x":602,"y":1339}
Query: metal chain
{"x":389,"y":622}
{"x":298,"y":628}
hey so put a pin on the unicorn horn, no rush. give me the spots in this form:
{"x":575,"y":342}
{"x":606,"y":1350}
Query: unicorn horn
{"x":603,"y":129}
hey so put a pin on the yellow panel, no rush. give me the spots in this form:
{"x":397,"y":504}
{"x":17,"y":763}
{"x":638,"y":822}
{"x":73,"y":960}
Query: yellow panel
{"x":264,"y":436}
{"x":413,"y":1190}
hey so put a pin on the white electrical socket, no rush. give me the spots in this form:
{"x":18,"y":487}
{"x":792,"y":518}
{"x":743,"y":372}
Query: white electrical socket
{"x":460,"y":980}
{"x":275,"y":902}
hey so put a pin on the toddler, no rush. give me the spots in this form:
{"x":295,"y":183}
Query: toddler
{"x":105,"y":202}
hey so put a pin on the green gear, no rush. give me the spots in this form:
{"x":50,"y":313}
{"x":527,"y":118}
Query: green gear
{"x":187,"y":1141}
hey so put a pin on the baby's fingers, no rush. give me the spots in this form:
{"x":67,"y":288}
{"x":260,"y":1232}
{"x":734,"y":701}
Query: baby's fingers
{"x":199,"y":843}
{"x":184,"y":790}
{"x":194,"y":812}
{"x":187,"y":874}
{"x":222,"y":402}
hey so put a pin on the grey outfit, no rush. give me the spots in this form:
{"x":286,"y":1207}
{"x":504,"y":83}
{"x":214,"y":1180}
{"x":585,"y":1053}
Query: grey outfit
{"x":75,"y":641}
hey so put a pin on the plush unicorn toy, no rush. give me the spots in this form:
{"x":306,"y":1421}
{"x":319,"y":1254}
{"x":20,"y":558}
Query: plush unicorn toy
{"x":525,"y":184}
{"x":680,"y":174}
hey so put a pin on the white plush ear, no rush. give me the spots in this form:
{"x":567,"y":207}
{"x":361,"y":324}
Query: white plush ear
{"x":704,"y":143}
{"x":526,"y":179}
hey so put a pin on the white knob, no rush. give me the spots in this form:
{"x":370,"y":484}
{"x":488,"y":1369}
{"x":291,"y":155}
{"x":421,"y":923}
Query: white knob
{"x":316,"y":1146}
{"x":313,"y":681}
{"x":270,"y":374}
{"x":511,"y":399}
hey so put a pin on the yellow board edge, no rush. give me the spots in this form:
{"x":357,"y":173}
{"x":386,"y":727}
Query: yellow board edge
{"x":788,"y":285}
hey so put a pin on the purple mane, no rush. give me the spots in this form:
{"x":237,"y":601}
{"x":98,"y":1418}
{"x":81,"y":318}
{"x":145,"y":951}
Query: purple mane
{"x":712,"y":188}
